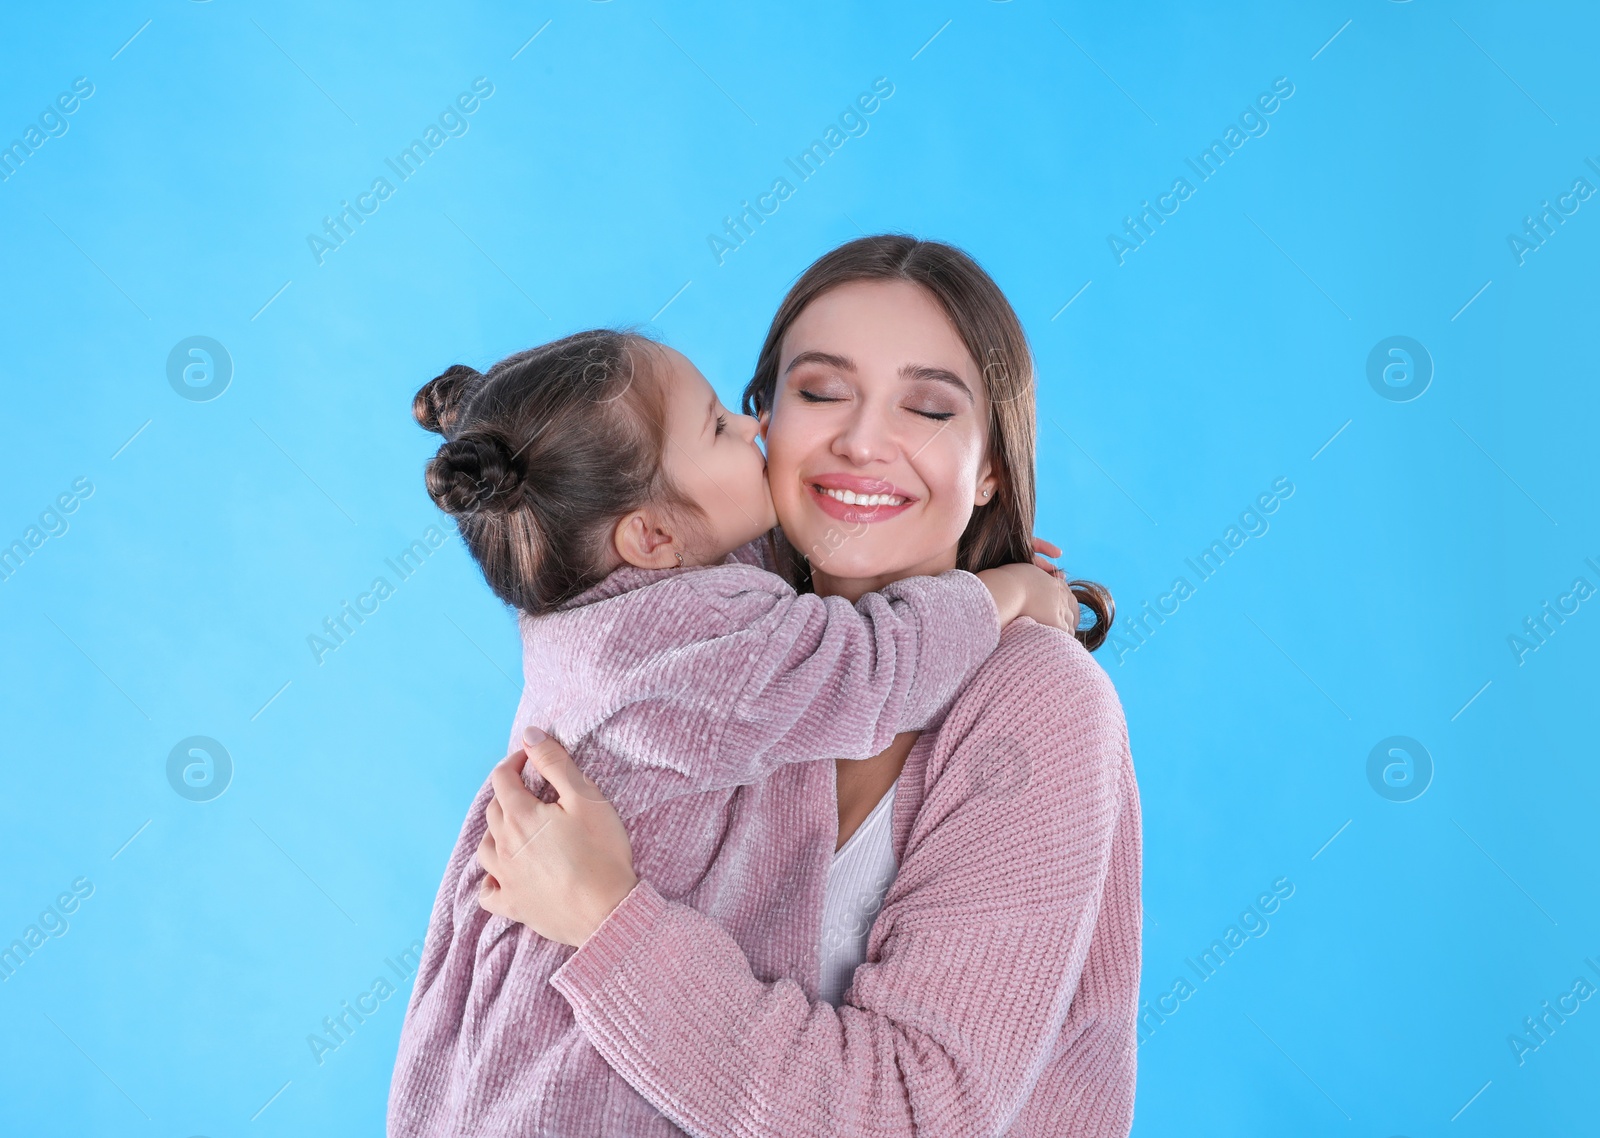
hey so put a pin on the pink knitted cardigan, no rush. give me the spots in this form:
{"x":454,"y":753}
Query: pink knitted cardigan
{"x":687,"y":696}
{"x":999,"y":991}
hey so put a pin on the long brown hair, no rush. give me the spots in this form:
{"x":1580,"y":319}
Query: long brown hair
{"x":1001,"y":531}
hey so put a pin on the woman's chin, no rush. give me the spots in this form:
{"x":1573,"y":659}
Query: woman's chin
{"x":863,"y":563}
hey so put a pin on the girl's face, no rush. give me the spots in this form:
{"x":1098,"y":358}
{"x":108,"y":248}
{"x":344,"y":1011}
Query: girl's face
{"x":712,"y":457}
{"x":878,"y":436}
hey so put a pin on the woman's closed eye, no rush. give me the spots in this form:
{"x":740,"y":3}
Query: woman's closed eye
{"x":936,"y":410}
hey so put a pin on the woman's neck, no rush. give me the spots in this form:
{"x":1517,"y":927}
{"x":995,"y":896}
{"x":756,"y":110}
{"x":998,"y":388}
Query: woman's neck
{"x":853,"y":589}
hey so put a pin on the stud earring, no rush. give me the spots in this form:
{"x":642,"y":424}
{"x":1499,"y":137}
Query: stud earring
{"x":986,"y":493}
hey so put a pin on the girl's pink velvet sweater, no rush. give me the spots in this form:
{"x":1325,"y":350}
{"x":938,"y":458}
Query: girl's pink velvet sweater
{"x":998,"y":996}
{"x":680,"y":693}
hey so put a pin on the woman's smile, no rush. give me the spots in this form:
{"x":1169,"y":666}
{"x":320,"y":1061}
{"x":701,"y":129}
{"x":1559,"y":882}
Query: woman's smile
{"x":856,"y":498}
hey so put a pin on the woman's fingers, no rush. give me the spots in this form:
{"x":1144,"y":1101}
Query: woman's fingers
{"x":509,"y":789}
{"x":488,"y":854}
{"x":493,"y":900}
{"x":491,"y":896}
{"x":553,"y":762}
{"x":496,"y":817}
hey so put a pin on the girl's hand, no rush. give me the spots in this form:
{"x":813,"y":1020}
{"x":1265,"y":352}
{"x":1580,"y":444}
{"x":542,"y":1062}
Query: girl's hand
{"x":1028,"y":590}
{"x":561,"y":867}
{"x":1042,"y":552}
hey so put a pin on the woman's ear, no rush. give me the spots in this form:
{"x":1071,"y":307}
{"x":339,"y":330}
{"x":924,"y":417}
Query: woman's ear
{"x":641,"y":541}
{"x":765,"y":419}
{"x":988,"y":483}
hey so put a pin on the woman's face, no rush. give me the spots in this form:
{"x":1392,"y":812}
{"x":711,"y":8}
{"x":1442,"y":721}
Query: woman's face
{"x":878,"y":435}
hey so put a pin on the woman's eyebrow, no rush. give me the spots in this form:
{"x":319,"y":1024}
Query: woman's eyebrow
{"x":938,"y":375}
{"x":827,"y":359}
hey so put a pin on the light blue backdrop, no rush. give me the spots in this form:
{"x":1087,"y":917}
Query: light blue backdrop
{"x":216,"y":521}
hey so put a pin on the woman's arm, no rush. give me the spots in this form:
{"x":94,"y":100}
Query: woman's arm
{"x":973,"y":1008}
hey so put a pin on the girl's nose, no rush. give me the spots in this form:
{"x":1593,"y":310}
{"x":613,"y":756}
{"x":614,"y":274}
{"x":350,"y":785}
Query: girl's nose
{"x":748,"y":427}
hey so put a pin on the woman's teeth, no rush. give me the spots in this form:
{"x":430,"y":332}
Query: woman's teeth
{"x":851,"y":498}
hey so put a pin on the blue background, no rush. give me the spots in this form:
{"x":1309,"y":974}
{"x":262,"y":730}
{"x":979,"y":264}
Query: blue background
{"x":1223,"y":354}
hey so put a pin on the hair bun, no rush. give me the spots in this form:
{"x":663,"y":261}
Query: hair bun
{"x":473,"y":474}
{"x":436,"y":406}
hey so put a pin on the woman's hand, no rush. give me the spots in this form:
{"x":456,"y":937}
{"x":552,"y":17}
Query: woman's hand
{"x":561,"y":867}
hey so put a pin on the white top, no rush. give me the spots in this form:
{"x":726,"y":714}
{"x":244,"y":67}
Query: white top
{"x":861,"y":873}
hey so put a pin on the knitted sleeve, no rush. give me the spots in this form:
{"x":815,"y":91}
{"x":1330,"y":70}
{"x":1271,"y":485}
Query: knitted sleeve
{"x":769,"y":676}
{"x":832,"y":680}
{"x":973,"y":1014}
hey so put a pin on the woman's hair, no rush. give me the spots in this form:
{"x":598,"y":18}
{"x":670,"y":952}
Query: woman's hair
{"x":1001,"y":532}
{"x":544,"y":454}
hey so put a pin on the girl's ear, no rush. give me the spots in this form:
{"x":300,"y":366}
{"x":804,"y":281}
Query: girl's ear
{"x":642,"y":542}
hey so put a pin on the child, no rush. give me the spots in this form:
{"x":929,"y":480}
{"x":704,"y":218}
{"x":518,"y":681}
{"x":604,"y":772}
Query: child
{"x":609,"y":497}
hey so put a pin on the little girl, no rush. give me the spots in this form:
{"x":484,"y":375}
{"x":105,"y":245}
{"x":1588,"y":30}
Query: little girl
{"x":609,"y":497}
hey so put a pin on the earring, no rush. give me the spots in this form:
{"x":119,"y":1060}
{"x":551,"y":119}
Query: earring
{"x":679,"y":556}
{"x":986,"y":493}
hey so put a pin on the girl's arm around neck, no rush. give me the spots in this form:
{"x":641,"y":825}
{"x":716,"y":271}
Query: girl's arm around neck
{"x":713,"y":678}
{"x":1002,"y":975}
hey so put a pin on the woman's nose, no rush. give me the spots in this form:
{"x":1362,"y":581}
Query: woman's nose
{"x":865,"y":438}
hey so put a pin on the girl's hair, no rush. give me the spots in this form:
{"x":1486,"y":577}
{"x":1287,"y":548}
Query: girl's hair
{"x":1001,"y":532}
{"x":543,"y":454}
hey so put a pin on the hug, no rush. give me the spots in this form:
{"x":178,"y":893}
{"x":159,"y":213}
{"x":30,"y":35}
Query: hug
{"x":820,"y":817}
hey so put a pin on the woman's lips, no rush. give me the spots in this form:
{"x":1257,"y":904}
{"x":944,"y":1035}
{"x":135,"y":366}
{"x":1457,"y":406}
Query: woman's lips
{"x":875,"y":499}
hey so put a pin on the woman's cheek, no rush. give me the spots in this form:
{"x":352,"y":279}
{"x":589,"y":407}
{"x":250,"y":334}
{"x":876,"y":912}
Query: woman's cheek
{"x":950,"y":471}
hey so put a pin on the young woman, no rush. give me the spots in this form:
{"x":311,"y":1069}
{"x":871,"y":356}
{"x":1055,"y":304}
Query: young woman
{"x":999,"y":983}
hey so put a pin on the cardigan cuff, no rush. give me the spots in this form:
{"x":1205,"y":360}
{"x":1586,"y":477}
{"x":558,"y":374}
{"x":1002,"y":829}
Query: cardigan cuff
{"x":627,"y":927}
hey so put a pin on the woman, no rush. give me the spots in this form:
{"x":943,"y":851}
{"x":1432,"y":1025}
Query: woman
{"x":1000,"y":980}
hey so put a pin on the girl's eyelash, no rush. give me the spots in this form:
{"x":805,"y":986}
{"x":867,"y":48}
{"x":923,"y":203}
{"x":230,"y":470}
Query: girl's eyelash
{"x":722,"y":423}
